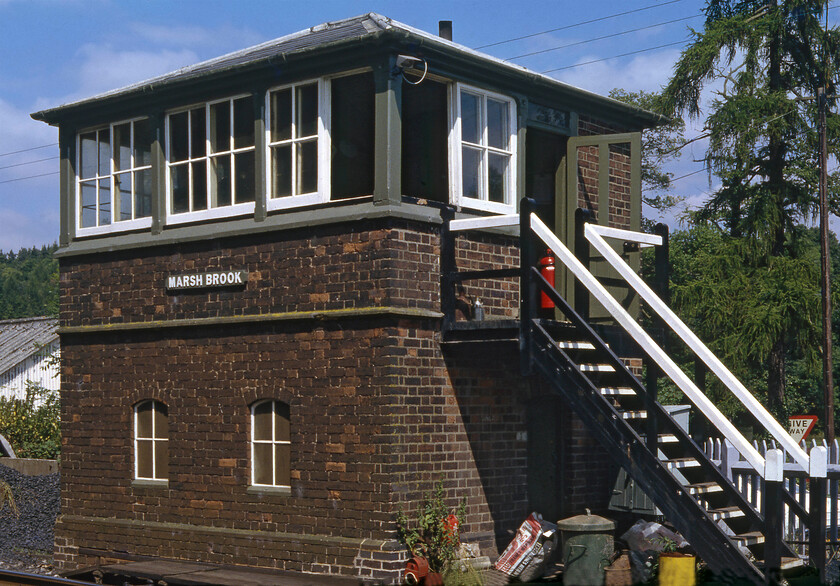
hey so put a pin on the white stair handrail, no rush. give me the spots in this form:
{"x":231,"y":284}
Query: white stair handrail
{"x":642,"y":338}
{"x":595,"y":234}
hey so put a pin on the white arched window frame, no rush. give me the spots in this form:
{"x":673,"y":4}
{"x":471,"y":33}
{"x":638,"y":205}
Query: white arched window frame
{"x":270,"y":444}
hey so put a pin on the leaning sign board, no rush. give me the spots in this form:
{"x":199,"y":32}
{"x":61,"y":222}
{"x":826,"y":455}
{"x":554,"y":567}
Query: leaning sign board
{"x":799,"y":426}
{"x":207,"y":280}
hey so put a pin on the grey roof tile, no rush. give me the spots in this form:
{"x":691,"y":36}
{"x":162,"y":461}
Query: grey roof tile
{"x":20,"y":337}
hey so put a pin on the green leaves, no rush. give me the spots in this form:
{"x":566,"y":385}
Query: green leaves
{"x":32,"y":424}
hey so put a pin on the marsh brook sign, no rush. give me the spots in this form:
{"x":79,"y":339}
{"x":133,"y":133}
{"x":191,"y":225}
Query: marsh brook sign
{"x":205,"y":280}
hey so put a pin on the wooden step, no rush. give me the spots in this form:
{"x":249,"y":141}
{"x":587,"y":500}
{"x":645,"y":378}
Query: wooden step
{"x":703,"y":488}
{"x":575,"y":345}
{"x":634,"y":414}
{"x":726,"y":513}
{"x":617,"y":392}
{"x":751,"y":538}
{"x":668,"y":438}
{"x":596,"y":368}
{"x":682,"y":463}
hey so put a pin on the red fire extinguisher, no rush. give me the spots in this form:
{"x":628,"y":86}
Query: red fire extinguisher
{"x":546,"y":265}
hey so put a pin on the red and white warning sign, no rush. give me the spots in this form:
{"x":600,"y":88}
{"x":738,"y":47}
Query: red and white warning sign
{"x":799,"y":426}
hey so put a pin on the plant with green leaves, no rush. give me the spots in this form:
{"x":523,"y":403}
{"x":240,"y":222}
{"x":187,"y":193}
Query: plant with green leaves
{"x":433,"y":535}
{"x":765,"y":62}
{"x":32,"y":424}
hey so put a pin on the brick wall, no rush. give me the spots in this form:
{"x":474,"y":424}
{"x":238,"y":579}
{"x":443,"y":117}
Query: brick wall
{"x":380,"y":410}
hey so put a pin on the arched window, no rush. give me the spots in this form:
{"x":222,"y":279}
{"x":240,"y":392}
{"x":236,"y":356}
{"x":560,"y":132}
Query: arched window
{"x":151,"y":441}
{"x":270,"y":444}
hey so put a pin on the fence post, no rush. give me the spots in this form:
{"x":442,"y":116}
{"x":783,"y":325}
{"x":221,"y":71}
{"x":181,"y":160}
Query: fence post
{"x":817,"y":508}
{"x":447,"y":269}
{"x":527,"y":288}
{"x":729,"y":456}
{"x":774,"y":474}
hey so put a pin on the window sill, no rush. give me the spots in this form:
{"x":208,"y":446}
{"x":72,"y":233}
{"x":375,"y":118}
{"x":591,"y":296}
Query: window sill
{"x":121,"y":226}
{"x":148,"y":483}
{"x":271,"y":490}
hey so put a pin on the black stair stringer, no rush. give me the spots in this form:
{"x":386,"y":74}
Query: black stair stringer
{"x":628,"y":449}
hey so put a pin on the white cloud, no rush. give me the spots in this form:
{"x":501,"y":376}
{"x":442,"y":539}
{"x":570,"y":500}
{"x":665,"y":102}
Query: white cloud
{"x":103,"y":68}
{"x":219,"y":40}
{"x":647,"y":72}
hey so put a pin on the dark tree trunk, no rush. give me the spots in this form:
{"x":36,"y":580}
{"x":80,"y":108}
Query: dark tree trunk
{"x":776,"y":377}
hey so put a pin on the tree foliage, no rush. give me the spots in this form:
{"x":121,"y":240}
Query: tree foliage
{"x":28,"y":283}
{"x":763,"y":65}
{"x":32,"y":424}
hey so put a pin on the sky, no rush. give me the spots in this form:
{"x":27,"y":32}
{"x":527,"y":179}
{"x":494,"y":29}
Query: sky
{"x":57,"y":51}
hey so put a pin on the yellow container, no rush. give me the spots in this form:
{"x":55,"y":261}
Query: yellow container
{"x":676,"y":569}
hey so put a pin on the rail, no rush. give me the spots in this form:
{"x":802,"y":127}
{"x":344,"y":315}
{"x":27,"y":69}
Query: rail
{"x":813,"y":466}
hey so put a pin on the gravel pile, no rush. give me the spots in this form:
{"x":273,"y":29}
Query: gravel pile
{"x":26,"y":542}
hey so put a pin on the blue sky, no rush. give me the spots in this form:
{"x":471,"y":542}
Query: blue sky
{"x":59,"y":51}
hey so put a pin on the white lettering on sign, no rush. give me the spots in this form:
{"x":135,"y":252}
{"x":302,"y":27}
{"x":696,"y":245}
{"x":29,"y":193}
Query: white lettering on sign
{"x":208,"y":279}
{"x":799,"y":426}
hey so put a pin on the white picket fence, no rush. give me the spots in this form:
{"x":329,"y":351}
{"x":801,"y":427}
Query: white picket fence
{"x":750,"y":484}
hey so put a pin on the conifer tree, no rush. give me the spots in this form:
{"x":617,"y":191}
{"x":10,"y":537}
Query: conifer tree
{"x":764,"y":63}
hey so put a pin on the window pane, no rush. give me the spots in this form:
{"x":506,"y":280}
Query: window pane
{"x":262,"y":464}
{"x":244,"y":165}
{"x":498,"y":129}
{"x":104,"y":202}
{"x":498,"y":169}
{"x":144,"y":458}
{"x":122,"y":147}
{"x":220,"y":127}
{"x":161,"y":421}
{"x":352,"y":125}
{"x":144,"y":419}
{"x":281,"y":422}
{"x":162,"y":460}
{"x":220,"y":181}
{"x":179,"y":177}
{"x":122,"y":183}
{"x":199,"y":185}
{"x":88,"y":216}
{"x":281,"y":115}
{"x":470,"y":118}
{"x":143,"y":194}
{"x":105,"y":152}
{"x":307,"y":167}
{"x":471,"y":164}
{"x":178,"y":137}
{"x":243,"y":122}
{"x":142,"y":143}
{"x":262,"y":421}
{"x":198,"y":132}
{"x":87,"y":155}
{"x":282,"y":464}
{"x":307,"y":110}
{"x":281,"y":165}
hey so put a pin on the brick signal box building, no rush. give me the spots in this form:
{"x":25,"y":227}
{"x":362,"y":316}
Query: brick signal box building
{"x":253,"y":366}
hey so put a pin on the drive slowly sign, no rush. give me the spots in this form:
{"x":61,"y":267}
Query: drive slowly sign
{"x":205,"y":280}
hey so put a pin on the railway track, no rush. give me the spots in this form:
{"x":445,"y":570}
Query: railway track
{"x":11,"y":578}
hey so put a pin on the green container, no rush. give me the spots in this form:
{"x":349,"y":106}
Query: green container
{"x":587,"y":549}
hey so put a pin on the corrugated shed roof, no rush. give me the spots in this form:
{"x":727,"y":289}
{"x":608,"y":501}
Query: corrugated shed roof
{"x":20,"y":338}
{"x":358,"y":28}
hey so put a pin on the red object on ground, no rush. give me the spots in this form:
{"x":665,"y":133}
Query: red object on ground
{"x":546,"y":265}
{"x":416,"y":569}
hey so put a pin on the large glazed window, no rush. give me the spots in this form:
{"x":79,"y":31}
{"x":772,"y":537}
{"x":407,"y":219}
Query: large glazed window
{"x":151,"y":441}
{"x":210,"y":158}
{"x":270,"y":444}
{"x":483,"y":150}
{"x":297,"y":152}
{"x":114,"y":179}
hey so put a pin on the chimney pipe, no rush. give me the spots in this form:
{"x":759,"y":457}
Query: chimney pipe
{"x":445,"y":29}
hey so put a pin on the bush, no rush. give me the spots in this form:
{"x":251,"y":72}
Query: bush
{"x":32,"y":424}
{"x":434,"y":535}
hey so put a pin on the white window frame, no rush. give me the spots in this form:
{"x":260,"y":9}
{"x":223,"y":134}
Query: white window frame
{"x":273,"y":442}
{"x":154,"y":439}
{"x":114,"y":226}
{"x":322,"y":195}
{"x":455,"y":154}
{"x":210,"y":213}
